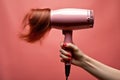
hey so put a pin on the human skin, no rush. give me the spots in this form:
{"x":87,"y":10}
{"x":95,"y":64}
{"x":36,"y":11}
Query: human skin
{"x":94,"y":67}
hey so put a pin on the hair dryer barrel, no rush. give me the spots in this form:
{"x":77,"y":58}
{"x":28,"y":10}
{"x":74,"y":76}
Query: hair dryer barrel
{"x":72,"y":19}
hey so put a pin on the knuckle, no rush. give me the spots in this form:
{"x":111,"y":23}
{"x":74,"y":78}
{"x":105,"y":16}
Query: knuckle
{"x":76,"y":48}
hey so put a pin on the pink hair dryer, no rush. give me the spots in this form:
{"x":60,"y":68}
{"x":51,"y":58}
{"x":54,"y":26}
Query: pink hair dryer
{"x":69,"y":19}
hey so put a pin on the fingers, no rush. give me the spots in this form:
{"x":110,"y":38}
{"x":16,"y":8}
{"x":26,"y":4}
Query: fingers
{"x":65,"y":55}
{"x":69,"y":45}
{"x":66,"y":49}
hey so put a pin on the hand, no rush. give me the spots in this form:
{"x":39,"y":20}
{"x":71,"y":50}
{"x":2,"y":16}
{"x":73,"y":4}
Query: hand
{"x":94,"y":67}
{"x":72,"y":54}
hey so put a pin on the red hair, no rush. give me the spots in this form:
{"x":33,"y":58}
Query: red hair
{"x":38,"y":21}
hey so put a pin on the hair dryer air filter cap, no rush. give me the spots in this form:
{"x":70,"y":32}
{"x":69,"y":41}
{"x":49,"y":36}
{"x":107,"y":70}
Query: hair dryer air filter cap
{"x":91,"y":19}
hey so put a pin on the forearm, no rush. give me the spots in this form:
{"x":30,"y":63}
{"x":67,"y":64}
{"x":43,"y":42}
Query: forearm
{"x":99,"y":70}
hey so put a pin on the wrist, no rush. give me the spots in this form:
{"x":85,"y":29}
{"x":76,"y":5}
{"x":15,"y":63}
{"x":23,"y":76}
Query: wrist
{"x":84,"y":61}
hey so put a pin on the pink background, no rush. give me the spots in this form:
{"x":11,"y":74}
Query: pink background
{"x":23,"y":61}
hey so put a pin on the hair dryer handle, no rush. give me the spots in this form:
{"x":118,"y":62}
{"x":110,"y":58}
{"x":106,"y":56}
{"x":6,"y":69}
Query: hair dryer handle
{"x":67,"y":39}
{"x":68,"y":36}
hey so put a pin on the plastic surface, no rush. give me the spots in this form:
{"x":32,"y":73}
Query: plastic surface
{"x":72,"y":18}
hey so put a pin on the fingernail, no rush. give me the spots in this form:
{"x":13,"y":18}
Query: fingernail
{"x":61,"y":60}
{"x":69,"y":55}
{"x":64,"y":44}
{"x":69,"y":58}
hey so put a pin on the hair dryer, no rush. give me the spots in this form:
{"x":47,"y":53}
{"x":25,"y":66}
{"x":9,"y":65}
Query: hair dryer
{"x":68,"y":20}
{"x":41,"y":21}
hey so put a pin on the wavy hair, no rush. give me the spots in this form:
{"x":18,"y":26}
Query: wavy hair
{"x":38,"y":21}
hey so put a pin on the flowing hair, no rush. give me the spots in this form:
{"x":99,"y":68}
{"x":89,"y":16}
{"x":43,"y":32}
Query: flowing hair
{"x":38,"y":21}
